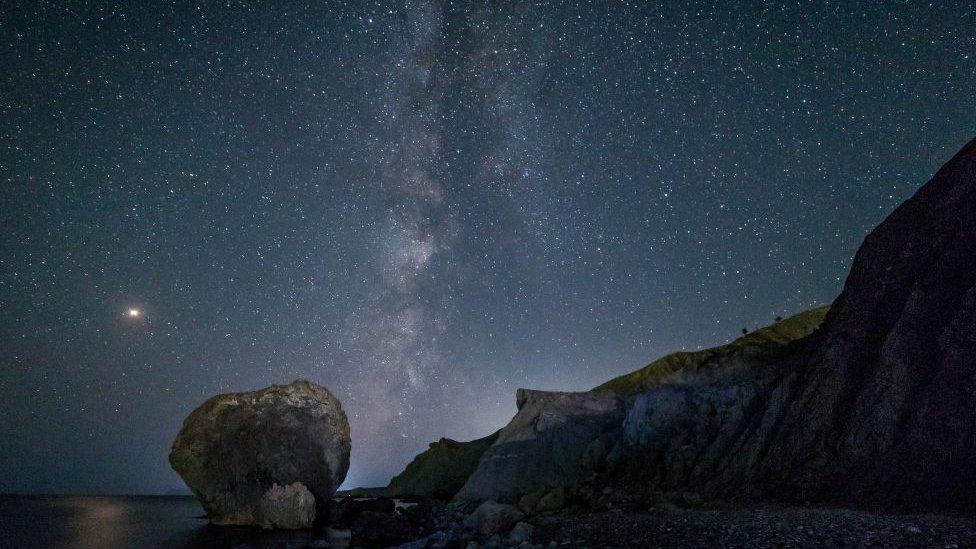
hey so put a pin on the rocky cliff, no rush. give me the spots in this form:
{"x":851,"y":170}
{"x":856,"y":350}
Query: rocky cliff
{"x":552,"y":438}
{"x":882,"y":409}
{"x":648,"y":426}
{"x":876,"y":407}
{"x":441,"y":470}
{"x":556,"y":439}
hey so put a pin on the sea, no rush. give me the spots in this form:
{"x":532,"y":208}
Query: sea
{"x":125,"y":521}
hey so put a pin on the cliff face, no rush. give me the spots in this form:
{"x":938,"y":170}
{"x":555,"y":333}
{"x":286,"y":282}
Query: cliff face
{"x":884,"y":409}
{"x":441,"y":470}
{"x":553,"y":438}
{"x":556,"y":439}
{"x":651,"y":423}
{"x":878,"y":407}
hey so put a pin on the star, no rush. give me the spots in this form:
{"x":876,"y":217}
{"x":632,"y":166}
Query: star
{"x":133,"y":313}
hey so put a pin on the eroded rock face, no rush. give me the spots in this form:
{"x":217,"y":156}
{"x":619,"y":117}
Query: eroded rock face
{"x":878,"y":407}
{"x":678,"y":435}
{"x":672,"y":423}
{"x":265,"y":457}
{"x":553,"y":440}
{"x":884,"y":409}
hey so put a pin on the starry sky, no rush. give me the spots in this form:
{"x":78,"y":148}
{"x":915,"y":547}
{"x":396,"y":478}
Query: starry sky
{"x":425,"y":205}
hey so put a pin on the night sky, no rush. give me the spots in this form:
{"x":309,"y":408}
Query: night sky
{"x":424,"y":206}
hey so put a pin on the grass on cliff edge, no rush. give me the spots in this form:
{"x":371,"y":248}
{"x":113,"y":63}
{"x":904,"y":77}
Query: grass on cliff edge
{"x":770,"y":339}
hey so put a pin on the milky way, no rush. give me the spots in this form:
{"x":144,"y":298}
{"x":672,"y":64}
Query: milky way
{"x":426,"y":205}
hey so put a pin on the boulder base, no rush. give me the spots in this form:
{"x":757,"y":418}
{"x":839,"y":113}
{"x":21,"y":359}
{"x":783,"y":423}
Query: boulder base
{"x":288,"y":507}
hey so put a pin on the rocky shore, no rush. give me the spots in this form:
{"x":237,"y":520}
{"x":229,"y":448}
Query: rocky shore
{"x":622,"y":520}
{"x":765,"y":527}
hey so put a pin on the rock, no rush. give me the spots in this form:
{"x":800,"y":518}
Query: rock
{"x":688,"y":411}
{"x":528,"y":502}
{"x":521,"y":533}
{"x":338,"y":538}
{"x":554,"y":500}
{"x":347,"y":509}
{"x":545,"y":445}
{"x":423,"y":515}
{"x":678,"y":435}
{"x":441,"y":470}
{"x":255,"y":457}
{"x":672,"y":407}
{"x":493,"y":518}
{"x":377,"y":529}
{"x":381,"y":522}
{"x":288,"y":507}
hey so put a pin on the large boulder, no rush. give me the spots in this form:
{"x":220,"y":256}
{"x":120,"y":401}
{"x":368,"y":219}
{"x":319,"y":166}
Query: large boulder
{"x":265,"y":457}
{"x":554,"y":440}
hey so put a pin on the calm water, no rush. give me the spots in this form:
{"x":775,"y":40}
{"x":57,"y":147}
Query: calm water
{"x":123,"y":521}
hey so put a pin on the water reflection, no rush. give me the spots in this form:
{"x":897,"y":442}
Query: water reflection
{"x":127,"y":521}
{"x":103,"y":519}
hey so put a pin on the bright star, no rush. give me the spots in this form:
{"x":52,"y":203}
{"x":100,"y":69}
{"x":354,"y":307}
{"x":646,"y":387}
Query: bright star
{"x":134,"y":313}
